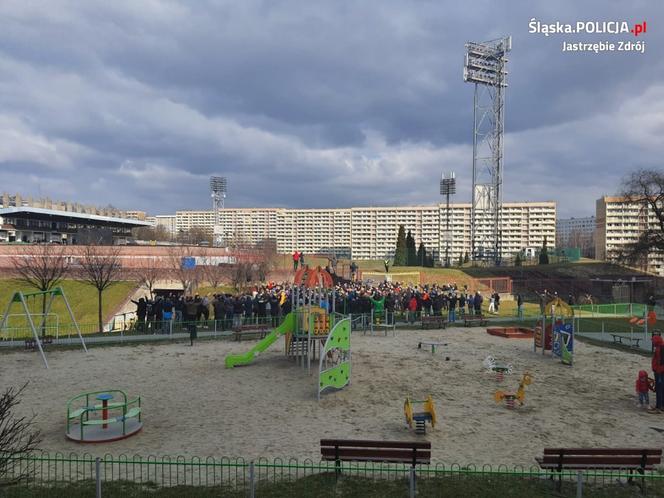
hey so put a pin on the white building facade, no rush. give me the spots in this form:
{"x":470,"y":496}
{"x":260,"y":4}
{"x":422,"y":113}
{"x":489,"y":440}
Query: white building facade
{"x":371,"y":232}
{"x":619,"y":223}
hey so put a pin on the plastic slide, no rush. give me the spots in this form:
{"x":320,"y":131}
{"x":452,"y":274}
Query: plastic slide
{"x":235,"y":360}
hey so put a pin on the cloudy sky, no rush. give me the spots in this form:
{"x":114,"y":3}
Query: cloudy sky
{"x":314,"y":104}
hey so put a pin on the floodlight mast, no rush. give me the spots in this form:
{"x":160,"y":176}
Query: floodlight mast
{"x":485,"y":67}
{"x":447,"y":188}
{"x":218,"y":187}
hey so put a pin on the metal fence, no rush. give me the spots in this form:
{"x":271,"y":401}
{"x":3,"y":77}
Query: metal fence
{"x":251,"y":477}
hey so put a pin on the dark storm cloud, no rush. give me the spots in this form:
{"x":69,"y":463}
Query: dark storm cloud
{"x":312,"y":104}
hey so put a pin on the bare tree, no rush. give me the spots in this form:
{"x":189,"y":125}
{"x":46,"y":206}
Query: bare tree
{"x":158,"y":233}
{"x":100,"y":267}
{"x":195,"y":235}
{"x":646,"y":189}
{"x":43,"y":267}
{"x":215,"y":275}
{"x":241,"y":275}
{"x":148,"y":273}
{"x":267,"y":257}
{"x":183,"y":267}
{"x":18,"y":437}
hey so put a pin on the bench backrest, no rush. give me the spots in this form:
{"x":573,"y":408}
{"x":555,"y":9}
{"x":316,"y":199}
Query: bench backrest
{"x":645,"y":458}
{"x":412,"y":452}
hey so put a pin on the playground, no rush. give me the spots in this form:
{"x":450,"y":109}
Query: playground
{"x":192,"y":405}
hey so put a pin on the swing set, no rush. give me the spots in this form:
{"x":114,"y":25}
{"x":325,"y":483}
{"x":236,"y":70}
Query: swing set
{"x":22,"y":299}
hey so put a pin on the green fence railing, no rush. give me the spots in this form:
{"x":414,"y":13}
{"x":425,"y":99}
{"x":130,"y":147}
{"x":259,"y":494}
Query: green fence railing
{"x":308,"y":477}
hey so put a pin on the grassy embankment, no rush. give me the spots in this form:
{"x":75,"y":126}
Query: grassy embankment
{"x":81,"y":297}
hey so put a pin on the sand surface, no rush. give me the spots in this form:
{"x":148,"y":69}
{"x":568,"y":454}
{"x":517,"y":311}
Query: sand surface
{"x":193,"y":406}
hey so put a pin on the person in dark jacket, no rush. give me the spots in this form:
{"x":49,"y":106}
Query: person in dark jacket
{"x":218,"y":307}
{"x":452,"y":305}
{"x":275,"y":310}
{"x":477,"y":303}
{"x":519,"y":306}
{"x":157,"y":311}
{"x":238,"y":309}
{"x":141,"y":313}
{"x":248,"y":306}
{"x":191,"y":310}
{"x":151,"y":315}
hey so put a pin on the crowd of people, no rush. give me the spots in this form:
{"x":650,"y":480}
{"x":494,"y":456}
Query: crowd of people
{"x":269,"y":302}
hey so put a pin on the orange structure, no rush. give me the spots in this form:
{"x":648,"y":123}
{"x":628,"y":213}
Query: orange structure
{"x":312,"y":278}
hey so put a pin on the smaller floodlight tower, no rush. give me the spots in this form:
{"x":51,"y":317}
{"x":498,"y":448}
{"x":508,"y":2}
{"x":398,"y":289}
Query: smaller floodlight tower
{"x":218,"y":187}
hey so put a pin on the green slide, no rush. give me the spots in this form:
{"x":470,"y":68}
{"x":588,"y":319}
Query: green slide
{"x":235,"y":360}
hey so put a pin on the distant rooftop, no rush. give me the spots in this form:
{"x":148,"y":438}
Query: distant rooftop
{"x":56,"y":213}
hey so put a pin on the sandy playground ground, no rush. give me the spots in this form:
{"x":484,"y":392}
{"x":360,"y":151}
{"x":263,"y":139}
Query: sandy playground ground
{"x":193,"y":406}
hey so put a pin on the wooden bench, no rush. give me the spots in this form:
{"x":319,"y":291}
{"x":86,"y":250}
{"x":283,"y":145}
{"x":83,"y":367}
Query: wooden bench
{"x":31,"y":344}
{"x":250,"y":330}
{"x":633,"y":341}
{"x":434,"y":322}
{"x":351,"y":450}
{"x":469,"y":320}
{"x":618,"y":459}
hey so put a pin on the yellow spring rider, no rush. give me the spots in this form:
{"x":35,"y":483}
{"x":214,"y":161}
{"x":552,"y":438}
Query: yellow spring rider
{"x":520,"y":395}
{"x":428,"y":414}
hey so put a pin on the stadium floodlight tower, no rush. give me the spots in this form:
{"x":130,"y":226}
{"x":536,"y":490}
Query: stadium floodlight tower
{"x":447,"y":188}
{"x":485,"y":67}
{"x":218,"y":186}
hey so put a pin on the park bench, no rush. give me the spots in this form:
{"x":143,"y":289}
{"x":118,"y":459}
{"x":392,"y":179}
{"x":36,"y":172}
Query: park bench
{"x":617,"y":459}
{"x":469,"y":320}
{"x":250,"y":330}
{"x":633,"y":341}
{"x":434,"y":322}
{"x":351,"y":450}
{"x":31,"y":344}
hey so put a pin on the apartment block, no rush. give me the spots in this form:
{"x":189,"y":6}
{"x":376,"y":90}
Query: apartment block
{"x":570,"y":228}
{"x":370,"y":232}
{"x":620,"y":222}
{"x":184,"y":220}
{"x":166,"y":221}
{"x":135,"y":215}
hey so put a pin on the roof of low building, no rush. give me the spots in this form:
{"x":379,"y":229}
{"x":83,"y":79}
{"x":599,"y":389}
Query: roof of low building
{"x":71,"y":215}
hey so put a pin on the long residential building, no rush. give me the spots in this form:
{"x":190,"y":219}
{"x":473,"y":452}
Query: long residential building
{"x":371,"y":232}
{"x":578,"y":233}
{"x":620,"y":222}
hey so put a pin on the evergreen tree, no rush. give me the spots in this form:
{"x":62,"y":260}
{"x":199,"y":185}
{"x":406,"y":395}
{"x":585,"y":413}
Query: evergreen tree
{"x":411,"y":252}
{"x":544,"y":254}
{"x":466,"y":259}
{"x":460,"y":259}
{"x":422,"y":258}
{"x":401,"y":252}
{"x":517,"y":260}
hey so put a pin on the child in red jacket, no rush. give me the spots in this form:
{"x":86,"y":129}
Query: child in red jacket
{"x":644,"y":384}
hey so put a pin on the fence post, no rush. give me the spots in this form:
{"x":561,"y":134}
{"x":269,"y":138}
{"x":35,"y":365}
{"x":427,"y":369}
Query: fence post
{"x":252,"y":484}
{"x":411,"y":483}
{"x":98,"y":477}
{"x":579,"y":484}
